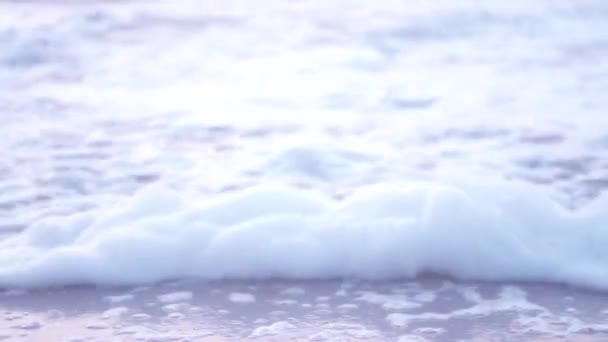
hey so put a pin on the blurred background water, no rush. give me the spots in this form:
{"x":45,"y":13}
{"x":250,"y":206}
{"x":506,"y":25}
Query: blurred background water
{"x":99,"y":98}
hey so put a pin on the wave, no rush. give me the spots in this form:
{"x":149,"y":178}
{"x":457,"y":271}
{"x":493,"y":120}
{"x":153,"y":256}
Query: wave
{"x":497,"y":232}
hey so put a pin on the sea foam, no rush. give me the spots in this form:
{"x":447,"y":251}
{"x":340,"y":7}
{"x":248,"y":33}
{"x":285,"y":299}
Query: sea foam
{"x":493,"y":232}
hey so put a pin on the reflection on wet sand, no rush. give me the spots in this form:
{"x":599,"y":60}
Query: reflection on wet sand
{"x":430,"y":309}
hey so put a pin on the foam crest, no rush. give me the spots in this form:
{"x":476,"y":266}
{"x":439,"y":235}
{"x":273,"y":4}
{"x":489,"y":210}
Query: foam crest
{"x":500,"y":232}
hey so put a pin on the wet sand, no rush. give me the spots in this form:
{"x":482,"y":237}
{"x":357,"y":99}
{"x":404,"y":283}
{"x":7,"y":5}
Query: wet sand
{"x":425,"y":310}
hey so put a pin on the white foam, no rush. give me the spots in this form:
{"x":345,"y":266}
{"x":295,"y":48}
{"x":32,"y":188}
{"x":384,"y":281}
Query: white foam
{"x":491,"y":232}
{"x":32,"y":325}
{"x":176,"y":307}
{"x":294,"y":291}
{"x":426,"y":297}
{"x":141,"y":317}
{"x":430,"y":331}
{"x":344,"y":331}
{"x":176,"y":315}
{"x":116,"y":312}
{"x":119,"y":298}
{"x":348,"y":306}
{"x":238,"y":297}
{"x":272,"y":329}
{"x":398,"y":320}
{"x":510,"y":299}
{"x":412,"y":338}
{"x":174,"y":297}
{"x":388,"y":302}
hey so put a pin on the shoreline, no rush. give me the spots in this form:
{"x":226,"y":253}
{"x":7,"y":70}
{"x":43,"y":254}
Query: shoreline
{"x":428,"y":309}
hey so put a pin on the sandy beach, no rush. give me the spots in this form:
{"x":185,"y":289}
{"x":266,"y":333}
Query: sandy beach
{"x":412,"y":311}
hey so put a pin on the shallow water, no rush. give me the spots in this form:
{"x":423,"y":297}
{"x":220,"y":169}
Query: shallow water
{"x":427,"y":310}
{"x":100,"y":99}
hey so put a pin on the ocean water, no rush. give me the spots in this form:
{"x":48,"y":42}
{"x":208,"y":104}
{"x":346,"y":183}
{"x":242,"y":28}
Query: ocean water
{"x":151,"y":140}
